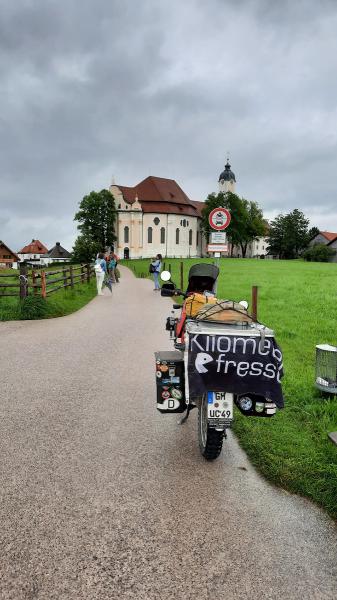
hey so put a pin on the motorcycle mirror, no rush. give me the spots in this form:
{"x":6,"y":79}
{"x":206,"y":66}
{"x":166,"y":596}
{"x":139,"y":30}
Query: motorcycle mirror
{"x":244,"y":303}
{"x":165,"y":276}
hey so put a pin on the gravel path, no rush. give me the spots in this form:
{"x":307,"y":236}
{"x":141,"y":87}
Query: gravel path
{"x":102,"y":497}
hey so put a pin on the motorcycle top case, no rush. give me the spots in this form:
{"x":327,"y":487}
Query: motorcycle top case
{"x":170,"y":382}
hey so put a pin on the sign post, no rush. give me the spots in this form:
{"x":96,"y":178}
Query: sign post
{"x":219,"y":219}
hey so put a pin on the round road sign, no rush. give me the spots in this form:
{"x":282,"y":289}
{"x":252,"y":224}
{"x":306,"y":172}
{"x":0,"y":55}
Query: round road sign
{"x":219,"y":218}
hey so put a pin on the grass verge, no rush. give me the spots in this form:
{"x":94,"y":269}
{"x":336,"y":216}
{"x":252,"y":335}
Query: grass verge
{"x":60,"y":303}
{"x":297,"y":300}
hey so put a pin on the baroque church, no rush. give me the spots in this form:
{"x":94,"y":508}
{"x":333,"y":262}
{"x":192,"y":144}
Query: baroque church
{"x":157,"y":217}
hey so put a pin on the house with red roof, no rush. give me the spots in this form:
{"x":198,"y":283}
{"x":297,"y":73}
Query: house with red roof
{"x":328,"y":238}
{"x":323,"y":237}
{"x":33,"y":252}
{"x":8,"y":258}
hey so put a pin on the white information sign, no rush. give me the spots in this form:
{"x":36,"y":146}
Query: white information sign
{"x":218,"y":237}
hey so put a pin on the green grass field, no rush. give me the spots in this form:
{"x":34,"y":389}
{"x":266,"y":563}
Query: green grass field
{"x":298,"y":300}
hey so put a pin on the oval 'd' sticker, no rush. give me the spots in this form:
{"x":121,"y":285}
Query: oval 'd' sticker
{"x":170,"y":404}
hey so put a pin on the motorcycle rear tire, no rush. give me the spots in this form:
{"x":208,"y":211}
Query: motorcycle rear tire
{"x":210,"y":440}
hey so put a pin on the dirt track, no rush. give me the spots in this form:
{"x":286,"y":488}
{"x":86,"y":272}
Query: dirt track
{"x":102,"y":497}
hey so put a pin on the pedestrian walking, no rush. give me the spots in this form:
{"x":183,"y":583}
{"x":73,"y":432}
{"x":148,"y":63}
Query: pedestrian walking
{"x":100,"y":270}
{"x":155,"y":268}
{"x":116,"y":258}
{"x":111,"y":268}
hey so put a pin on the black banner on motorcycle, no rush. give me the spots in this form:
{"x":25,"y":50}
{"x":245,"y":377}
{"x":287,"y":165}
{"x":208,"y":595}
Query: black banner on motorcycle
{"x":237,"y":364}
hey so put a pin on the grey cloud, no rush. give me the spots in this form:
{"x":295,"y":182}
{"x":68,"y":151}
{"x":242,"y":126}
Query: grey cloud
{"x":94,"y":89}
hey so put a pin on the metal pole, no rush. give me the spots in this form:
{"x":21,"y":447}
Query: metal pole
{"x":254,"y":302}
{"x":217,"y":264}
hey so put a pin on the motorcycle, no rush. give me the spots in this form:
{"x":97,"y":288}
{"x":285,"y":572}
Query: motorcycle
{"x":222,"y":358}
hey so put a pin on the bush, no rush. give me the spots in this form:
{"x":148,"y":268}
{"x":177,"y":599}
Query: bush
{"x":319,"y":253}
{"x":33,"y":307}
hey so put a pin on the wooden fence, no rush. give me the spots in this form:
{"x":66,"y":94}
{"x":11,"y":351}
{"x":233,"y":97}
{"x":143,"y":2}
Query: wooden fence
{"x":43,"y":283}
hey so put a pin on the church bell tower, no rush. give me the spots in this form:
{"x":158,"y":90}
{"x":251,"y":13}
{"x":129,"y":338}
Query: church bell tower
{"x":227,"y":179}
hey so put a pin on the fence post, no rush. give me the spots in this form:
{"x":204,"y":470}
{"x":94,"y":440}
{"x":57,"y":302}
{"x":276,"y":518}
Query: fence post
{"x":88,"y":272}
{"x":254,"y":302}
{"x":71,"y":273}
{"x":34,"y":282}
{"x":23,"y":281}
{"x":82,"y":274}
{"x":65,"y":279}
{"x":43,"y":284}
{"x":181,"y":275}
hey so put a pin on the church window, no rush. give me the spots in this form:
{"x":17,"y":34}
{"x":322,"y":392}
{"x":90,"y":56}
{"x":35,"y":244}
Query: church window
{"x":197,"y":238}
{"x":156,"y":221}
{"x":177,"y":236}
{"x":126,"y":235}
{"x":149,"y":235}
{"x":190,"y":237}
{"x":187,"y":223}
{"x":162,"y":235}
{"x":119,"y":206}
{"x":184,"y":223}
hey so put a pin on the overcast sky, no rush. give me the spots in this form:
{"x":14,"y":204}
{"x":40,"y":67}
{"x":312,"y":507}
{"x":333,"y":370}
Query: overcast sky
{"x":95,"y":89}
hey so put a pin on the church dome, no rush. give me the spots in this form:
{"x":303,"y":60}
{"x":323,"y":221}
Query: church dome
{"x":227,"y":174}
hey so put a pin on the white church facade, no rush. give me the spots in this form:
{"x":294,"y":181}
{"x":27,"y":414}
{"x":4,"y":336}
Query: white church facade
{"x":157,"y":217}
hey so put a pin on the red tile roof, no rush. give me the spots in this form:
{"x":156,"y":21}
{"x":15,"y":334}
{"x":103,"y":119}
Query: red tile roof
{"x":35,"y":247}
{"x":199,"y":206}
{"x":160,"y":195}
{"x":329,"y":235}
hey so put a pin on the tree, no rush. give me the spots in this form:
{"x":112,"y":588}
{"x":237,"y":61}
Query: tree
{"x":254,"y":225}
{"x":313,"y":231}
{"x":247,"y":223}
{"x":319,"y":253}
{"x":85,"y":249}
{"x":288,"y":234}
{"x":96,"y":217}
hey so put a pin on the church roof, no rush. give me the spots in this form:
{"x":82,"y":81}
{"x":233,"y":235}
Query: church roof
{"x":35,"y":247}
{"x":227,"y":174}
{"x":160,"y":195}
{"x":199,"y":206}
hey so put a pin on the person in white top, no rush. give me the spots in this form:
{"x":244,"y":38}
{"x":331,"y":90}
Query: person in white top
{"x":100,"y":270}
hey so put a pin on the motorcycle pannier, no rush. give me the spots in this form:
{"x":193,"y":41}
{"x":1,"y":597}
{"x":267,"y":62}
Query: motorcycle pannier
{"x":195,"y":302}
{"x":170,"y":379}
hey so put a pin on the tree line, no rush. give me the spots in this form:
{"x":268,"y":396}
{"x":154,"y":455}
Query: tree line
{"x":287,"y":235}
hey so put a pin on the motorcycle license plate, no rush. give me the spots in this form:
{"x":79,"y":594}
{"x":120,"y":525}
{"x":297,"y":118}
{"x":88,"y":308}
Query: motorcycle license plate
{"x":219,"y":408}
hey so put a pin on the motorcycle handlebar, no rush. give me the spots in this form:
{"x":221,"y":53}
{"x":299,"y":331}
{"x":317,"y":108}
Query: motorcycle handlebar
{"x":171,"y":293}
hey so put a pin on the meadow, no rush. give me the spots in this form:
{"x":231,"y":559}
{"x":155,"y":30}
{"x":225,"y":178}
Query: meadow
{"x":299,"y":301}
